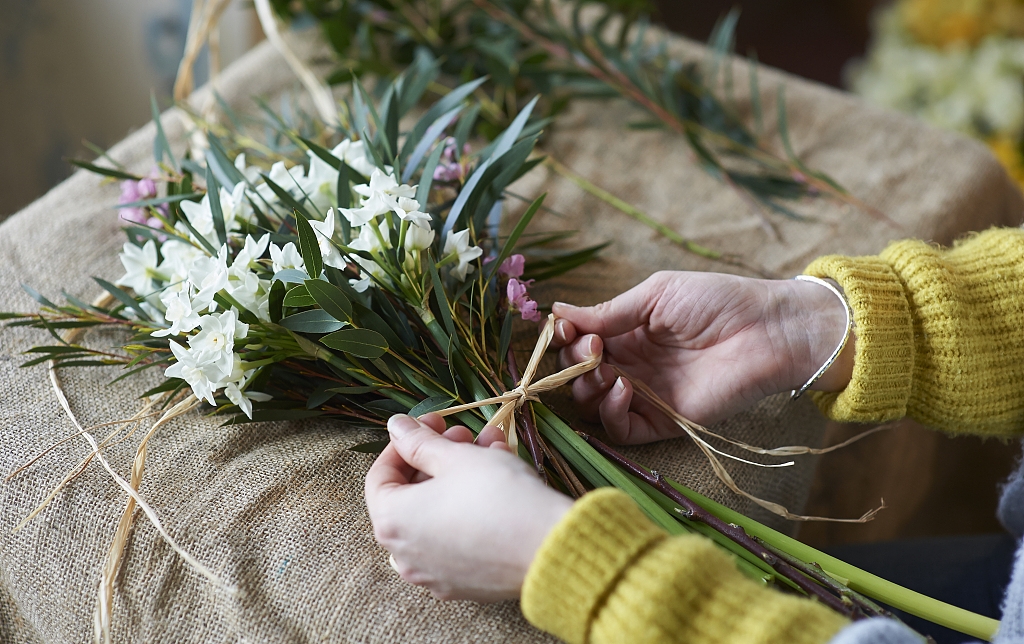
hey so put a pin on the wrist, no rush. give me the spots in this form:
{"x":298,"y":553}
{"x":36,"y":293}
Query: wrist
{"x":813,"y":323}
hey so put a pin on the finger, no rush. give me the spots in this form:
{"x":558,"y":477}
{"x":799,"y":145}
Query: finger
{"x":490,"y":435}
{"x":419,"y":445}
{"x":434,"y":421}
{"x":458,"y":434}
{"x":614,"y":409}
{"x":565,"y":333}
{"x":581,"y":350}
{"x":618,"y":315}
{"x":500,"y":445}
{"x":590,"y":389}
{"x":388,"y":472}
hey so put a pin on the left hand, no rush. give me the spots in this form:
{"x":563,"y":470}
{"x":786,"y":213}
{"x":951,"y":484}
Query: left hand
{"x":462,"y":519}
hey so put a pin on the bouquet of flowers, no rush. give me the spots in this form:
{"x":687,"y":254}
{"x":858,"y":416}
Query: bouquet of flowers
{"x":958,"y":65}
{"x":363,"y":270}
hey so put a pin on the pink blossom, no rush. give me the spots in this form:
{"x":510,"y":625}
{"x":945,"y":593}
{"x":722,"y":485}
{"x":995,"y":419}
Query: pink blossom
{"x":513,"y":266}
{"x":132,"y":191}
{"x":519,"y":300}
{"x":448,"y":169}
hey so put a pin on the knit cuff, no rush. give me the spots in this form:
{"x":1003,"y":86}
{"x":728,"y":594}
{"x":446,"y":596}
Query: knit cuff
{"x":581,"y":559}
{"x":884,"y":358}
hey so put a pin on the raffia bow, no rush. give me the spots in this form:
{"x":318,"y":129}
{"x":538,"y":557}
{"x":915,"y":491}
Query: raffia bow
{"x":526,"y":390}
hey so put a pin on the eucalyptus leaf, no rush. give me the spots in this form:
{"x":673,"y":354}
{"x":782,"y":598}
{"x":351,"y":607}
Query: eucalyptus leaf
{"x":313,"y":321}
{"x":330,"y":298}
{"x":309,"y":247}
{"x":362,"y":343}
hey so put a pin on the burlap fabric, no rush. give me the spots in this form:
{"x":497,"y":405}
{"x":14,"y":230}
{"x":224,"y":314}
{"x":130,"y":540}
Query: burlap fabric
{"x":277,"y":509}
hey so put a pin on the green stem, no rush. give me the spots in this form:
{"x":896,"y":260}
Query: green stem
{"x":858,"y":580}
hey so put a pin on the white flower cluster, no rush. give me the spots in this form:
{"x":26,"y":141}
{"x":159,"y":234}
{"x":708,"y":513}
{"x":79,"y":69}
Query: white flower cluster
{"x":976,"y":91}
{"x":182,"y":287}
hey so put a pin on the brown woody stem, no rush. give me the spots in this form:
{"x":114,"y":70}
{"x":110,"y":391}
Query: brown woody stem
{"x":694,"y":512}
{"x":529,"y":428}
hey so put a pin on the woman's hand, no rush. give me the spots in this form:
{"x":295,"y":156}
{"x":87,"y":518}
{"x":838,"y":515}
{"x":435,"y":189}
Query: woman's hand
{"x":462,"y":519}
{"x":708,"y":344}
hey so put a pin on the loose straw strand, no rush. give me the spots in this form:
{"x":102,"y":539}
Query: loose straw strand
{"x":321,"y":95}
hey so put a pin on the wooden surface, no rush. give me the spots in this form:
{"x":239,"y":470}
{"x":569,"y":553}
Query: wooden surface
{"x":933,"y":484}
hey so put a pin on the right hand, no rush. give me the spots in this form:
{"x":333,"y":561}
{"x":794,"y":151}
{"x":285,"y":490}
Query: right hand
{"x":708,"y":344}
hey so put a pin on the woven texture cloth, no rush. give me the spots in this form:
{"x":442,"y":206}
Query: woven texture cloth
{"x":277,"y":508}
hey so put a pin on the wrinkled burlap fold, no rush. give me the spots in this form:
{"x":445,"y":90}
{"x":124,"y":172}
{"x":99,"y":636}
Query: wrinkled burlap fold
{"x":277,"y":509}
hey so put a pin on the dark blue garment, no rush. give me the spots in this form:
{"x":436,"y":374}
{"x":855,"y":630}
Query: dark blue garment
{"x":970,"y":571}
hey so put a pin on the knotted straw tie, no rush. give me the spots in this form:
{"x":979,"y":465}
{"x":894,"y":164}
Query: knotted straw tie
{"x":512,"y":401}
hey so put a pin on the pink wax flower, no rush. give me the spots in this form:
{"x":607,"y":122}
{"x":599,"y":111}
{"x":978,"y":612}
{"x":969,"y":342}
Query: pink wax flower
{"x":513,"y":266}
{"x":132,"y":191}
{"x":448,"y":169}
{"x":519,"y":300}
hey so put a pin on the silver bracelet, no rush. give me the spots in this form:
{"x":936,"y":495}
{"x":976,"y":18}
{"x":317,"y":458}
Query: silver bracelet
{"x":842,"y":344}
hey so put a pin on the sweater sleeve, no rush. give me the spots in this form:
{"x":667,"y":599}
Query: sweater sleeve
{"x":940,"y":334}
{"x":607,"y":574}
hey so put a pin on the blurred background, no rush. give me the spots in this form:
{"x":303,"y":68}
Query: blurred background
{"x":81,"y":71}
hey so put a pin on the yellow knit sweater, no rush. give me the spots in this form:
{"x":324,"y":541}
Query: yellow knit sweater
{"x":939,"y":338}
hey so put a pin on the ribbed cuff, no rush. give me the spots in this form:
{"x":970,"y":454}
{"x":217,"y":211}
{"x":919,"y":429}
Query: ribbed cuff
{"x":581,"y":560}
{"x":884,"y":358}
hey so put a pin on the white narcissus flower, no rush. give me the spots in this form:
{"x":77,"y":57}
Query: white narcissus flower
{"x":251,"y":173}
{"x":324,"y":236}
{"x":178,"y":259}
{"x":354,"y":154}
{"x":321,"y":184}
{"x":179,"y":313}
{"x":243,"y":399}
{"x":369,"y":241}
{"x":215,"y":343}
{"x":386,"y":184}
{"x":288,"y":179}
{"x":285,"y":257}
{"x":140,"y":265}
{"x":371,"y":207}
{"x":409,"y":210}
{"x":458,"y":243}
{"x":233,"y":209}
{"x":418,"y":238}
{"x":209,"y":275}
{"x":191,"y":367}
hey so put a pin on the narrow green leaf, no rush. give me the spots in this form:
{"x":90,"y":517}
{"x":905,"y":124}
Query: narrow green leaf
{"x":213,"y":196}
{"x":434,"y":403}
{"x":427,"y":178}
{"x":107,"y":172}
{"x":168,"y":385}
{"x":372,"y":447}
{"x":124,"y":298}
{"x":330,"y":298}
{"x":160,"y":145}
{"x":442,"y":299}
{"x":145,"y":203}
{"x":322,"y":152}
{"x":286,"y":198}
{"x":362,"y":343}
{"x":354,"y":391}
{"x":309,"y":247}
{"x":277,"y":293}
{"x":505,"y":340}
{"x":313,"y":321}
{"x":510,"y":242}
{"x":37,"y":296}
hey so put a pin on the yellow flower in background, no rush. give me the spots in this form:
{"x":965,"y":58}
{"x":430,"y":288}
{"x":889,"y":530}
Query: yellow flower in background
{"x":1008,"y":152}
{"x":941,"y":23}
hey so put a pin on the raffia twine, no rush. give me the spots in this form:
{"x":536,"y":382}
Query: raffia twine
{"x":512,"y":401}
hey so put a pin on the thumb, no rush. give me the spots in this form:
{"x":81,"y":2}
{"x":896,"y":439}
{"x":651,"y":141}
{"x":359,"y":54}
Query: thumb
{"x":419,"y":445}
{"x":618,"y":315}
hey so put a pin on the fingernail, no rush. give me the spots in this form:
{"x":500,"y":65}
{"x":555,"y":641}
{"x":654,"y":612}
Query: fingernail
{"x":560,"y":329}
{"x":399,"y":425}
{"x":620,"y":385}
{"x":592,"y":346}
{"x":563,"y":306}
{"x":603,"y":373}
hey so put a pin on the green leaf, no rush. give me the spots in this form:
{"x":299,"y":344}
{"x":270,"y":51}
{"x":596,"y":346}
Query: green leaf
{"x":362,"y":343}
{"x":267,"y":415}
{"x":505,"y":340}
{"x":372,"y":447}
{"x":203,"y":241}
{"x":160,"y":145}
{"x":442,"y":299}
{"x":434,"y":403}
{"x":313,"y":321}
{"x":298,"y":297}
{"x":429,"y":138}
{"x":355,"y":391}
{"x":286,"y":198}
{"x":213,"y":196}
{"x":145,"y":203}
{"x":510,"y":242}
{"x":330,"y":298}
{"x":277,"y":294}
{"x":387,"y":406}
{"x":450,"y":100}
{"x":427,"y":178}
{"x":107,"y":172}
{"x":309,"y":247}
{"x":168,"y":385}
{"x":125,"y":299}
{"x":37,"y":296}
{"x":322,"y":152}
